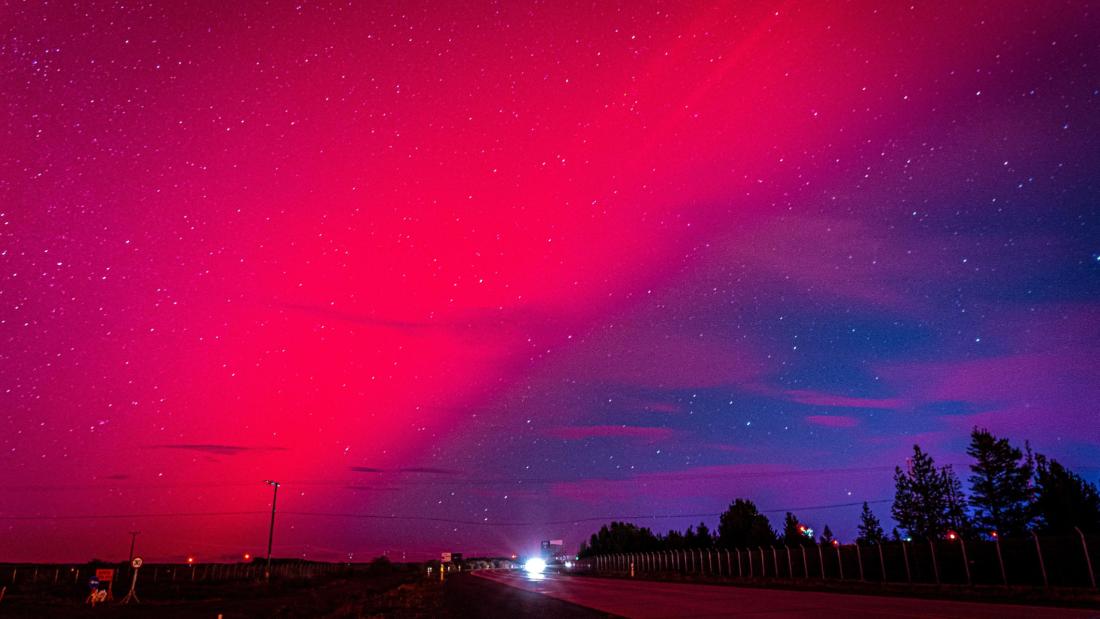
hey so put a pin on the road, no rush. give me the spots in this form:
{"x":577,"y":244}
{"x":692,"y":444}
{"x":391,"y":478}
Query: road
{"x":653,"y":600}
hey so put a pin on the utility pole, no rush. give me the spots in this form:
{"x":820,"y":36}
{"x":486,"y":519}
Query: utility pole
{"x":271,"y":530}
{"x":133,"y":538}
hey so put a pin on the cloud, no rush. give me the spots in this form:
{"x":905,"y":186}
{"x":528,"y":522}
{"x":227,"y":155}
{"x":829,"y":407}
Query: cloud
{"x":416,"y":470}
{"x":428,"y":471}
{"x":214,"y":448}
{"x":833,"y":421}
{"x":717,"y":484}
{"x":580,"y":433}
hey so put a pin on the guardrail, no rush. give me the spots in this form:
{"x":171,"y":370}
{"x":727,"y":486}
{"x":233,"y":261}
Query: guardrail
{"x":1065,"y":561}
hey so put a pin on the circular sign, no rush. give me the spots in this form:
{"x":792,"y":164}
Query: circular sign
{"x":136,"y":562}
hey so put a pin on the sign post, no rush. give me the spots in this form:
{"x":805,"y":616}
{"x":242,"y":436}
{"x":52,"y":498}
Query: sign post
{"x":132,"y":595}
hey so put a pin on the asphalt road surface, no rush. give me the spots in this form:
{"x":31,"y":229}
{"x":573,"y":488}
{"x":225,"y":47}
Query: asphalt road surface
{"x":651,"y":600}
{"x":470,"y":597}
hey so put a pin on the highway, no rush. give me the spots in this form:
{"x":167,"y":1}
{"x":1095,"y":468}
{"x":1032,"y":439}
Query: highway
{"x":643,"y":599}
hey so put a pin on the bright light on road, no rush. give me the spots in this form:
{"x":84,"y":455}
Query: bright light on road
{"x":534,"y":566}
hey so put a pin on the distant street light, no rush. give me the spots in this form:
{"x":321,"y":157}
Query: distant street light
{"x":271,"y":530}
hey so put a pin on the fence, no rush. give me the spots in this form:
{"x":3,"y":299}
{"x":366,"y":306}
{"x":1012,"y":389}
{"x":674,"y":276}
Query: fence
{"x":1026,"y":561}
{"x":24,"y":575}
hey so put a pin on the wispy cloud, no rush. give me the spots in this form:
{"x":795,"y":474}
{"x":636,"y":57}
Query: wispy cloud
{"x":821,"y":398}
{"x":414,"y":470}
{"x":833,"y":421}
{"x":215,"y":448}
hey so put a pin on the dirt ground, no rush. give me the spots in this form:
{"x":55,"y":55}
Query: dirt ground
{"x":394,"y":594}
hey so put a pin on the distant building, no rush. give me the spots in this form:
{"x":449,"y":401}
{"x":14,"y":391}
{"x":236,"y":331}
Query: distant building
{"x":553,"y":549}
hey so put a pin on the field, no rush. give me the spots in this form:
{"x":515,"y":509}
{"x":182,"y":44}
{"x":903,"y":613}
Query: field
{"x":390,"y":591}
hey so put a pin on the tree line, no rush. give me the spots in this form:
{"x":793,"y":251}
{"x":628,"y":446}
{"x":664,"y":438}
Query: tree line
{"x":1012,"y":491}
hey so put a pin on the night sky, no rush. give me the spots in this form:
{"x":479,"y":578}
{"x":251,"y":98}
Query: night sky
{"x":486,"y":270}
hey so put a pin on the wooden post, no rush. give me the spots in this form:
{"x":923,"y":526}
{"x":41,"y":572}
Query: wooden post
{"x":905,"y":556}
{"x":881,"y":561}
{"x":935,"y":568}
{"x":859,"y":559}
{"x":1039,"y":553}
{"x":966,"y":561}
{"x":1088,"y":560}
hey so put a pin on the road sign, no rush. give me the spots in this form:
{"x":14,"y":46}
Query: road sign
{"x":105,"y":575}
{"x":136,"y":563}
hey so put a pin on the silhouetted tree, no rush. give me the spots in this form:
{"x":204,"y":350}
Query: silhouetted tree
{"x":742,"y":526}
{"x":1064,"y":499}
{"x":622,"y":537}
{"x":793,"y":534}
{"x":673,"y":541}
{"x":703,"y":538}
{"x":1000,"y":484}
{"x":870,"y":529}
{"x":927,"y":501}
{"x":827,"y":536}
{"x":957,"y":516}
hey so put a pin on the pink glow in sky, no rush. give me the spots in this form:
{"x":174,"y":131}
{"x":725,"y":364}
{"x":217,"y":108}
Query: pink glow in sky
{"x":507,"y":267}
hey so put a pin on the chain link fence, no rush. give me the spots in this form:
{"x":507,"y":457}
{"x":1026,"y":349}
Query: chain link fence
{"x":1054,"y":561}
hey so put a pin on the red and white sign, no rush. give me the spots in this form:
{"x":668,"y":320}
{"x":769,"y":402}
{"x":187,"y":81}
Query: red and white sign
{"x":105,"y":575}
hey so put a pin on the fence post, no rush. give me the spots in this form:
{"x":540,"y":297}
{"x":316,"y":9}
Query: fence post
{"x":1000,"y":558}
{"x":729,"y":564}
{"x":805,"y":563}
{"x":935,"y":568}
{"x":1039,"y":552}
{"x":839,"y":562}
{"x":859,"y":560}
{"x":790,"y":565}
{"x":747,"y":551}
{"x":821,"y":561}
{"x":905,"y":556}
{"x":881,"y":560}
{"x":763,"y":563}
{"x":966,"y":561}
{"x":1088,"y":560}
{"x":740,"y":574}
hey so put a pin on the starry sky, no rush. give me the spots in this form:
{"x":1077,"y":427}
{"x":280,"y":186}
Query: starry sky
{"x":465,"y":276}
